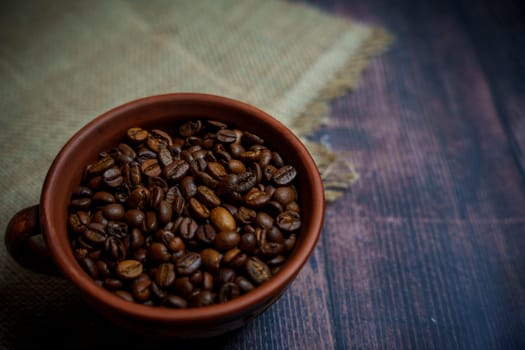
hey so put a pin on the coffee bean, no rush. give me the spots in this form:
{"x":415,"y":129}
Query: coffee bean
{"x":114,"y":211}
{"x":284,"y":195}
{"x":284,"y":175}
{"x":190,"y":128}
{"x":100,"y":166}
{"x":289,"y":220}
{"x":228,"y":292}
{"x":129,"y":269}
{"x":258,"y":271}
{"x":208,"y":197}
{"x":244,"y":284}
{"x":176,"y":170}
{"x":151,"y":167}
{"x":189,"y":263}
{"x":206,"y":234}
{"x":202,"y":298}
{"x":115,"y":248}
{"x":103,"y":197}
{"x":95,"y":233}
{"x":140,"y":288}
{"x":227,"y":240}
{"x":187,"y":228}
{"x":165,"y":275}
{"x":158,"y":252}
{"x":176,"y":302}
{"x":211,"y":259}
{"x":165,"y":210}
{"x":222,"y":219}
{"x":137,"y":134}
{"x":198,"y":209}
{"x":135,"y":217}
{"x":226,"y":136}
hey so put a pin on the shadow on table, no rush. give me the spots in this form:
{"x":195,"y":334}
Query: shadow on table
{"x":59,"y":319}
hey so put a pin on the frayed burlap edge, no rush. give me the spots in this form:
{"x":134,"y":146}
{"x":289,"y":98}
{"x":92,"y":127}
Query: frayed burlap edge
{"x":337,"y":171}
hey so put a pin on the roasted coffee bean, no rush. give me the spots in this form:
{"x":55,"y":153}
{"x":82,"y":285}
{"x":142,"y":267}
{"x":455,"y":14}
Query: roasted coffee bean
{"x":89,"y":266}
{"x":159,"y":253}
{"x":251,"y":139}
{"x":129,"y":269}
{"x":140,"y":287}
{"x":95,"y":233}
{"x":190,"y":128}
{"x":137,"y":135}
{"x":234,"y":258}
{"x":211,"y":259}
{"x":139,"y":198}
{"x":81,"y":203}
{"x":284,"y":175}
{"x":245,"y":181}
{"x":183,"y":286}
{"x":100,"y":166}
{"x":165,"y":275}
{"x":216,"y":170}
{"x":124,"y":295}
{"x":188,"y":186}
{"x":248,"y":242}
{"x":185,"y":219}
{"x":221,"y":218}
{"x":273,"y":234}
{"x":236,"y":166}
{"x":289,"y":243}
{"x":227,"y":240}
{"x":244,"y":284}
{"x":206,"y":234}
{"x":112,"y":177}
{"x":176,"y":302}
{"x":256,"y":198}
{"x":293,"y":206}
{"x":135,"y":217}
{"x":199,"y":210}
{"x":78,"y":221}
{"x":112,"y":283}
{"x":151,"y":167}
{"x":245,"y":215}
{"x":208,"y":197}
{"x":202,"y":298}
{"x":271,"y":249}
{"x":289,"y":220}
{"x":264,"y":220}
{"x":136,"y":239}
{"x":176,"y":170}
{"x":189,"y":263}
{"x":187,"y":228}
{"x":114,"y":211}
{"x":165,"y":211}
{"x":225,"y":275}
{"x":284,"y":195}
{"x":115,"y":248}
{"x":150,"y":223}
{"x":258,"y":271}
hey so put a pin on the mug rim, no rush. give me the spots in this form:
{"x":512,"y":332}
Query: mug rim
{"x":260,"y":295}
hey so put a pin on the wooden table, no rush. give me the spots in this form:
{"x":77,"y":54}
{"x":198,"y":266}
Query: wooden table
{"x":427,"y":250}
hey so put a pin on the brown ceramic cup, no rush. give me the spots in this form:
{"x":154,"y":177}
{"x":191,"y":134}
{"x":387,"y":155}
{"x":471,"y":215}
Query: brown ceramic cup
{"x":49,"y":217}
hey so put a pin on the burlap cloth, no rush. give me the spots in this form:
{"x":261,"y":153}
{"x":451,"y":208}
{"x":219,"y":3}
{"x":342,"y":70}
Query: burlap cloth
{"x":64,"y":63}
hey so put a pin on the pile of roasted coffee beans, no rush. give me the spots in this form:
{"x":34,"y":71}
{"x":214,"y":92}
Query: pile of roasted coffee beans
{"x":189,"y":217}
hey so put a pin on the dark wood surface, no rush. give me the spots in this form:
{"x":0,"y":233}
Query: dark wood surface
{"x":427,"y":250}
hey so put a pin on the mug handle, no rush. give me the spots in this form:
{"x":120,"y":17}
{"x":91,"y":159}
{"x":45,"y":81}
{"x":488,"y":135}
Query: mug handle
{"x":23,"y":243}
